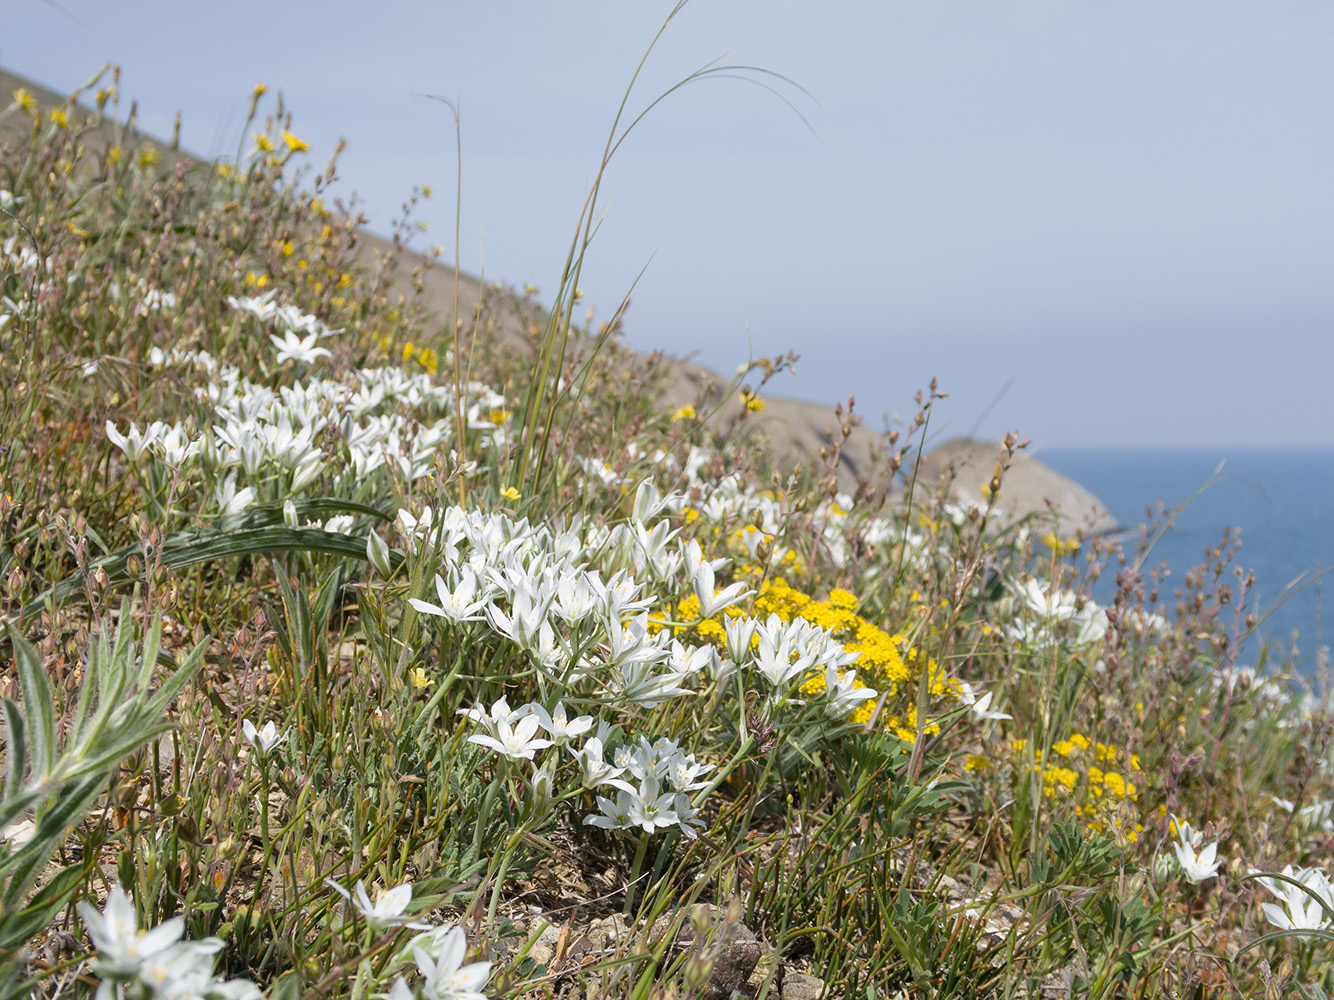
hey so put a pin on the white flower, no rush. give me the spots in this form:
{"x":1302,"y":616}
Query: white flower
{"x":462,"y":604}
{"x":294,"y":348}
{"x":558,"y":726}
{"x":1309,"y":908}
{"x":710,"y":603}
{"x":134,"y":442}
{"x":740,"y":633}
{"x":777,"y":657}
{"x":979,"y":705}
{"x":500,"y":713}
{"x":446,"y":977}
{"x":653,"y":809}
{"x":231,"y":500}
{"x":156,"y":957}
{"x":388,"y":908}
{"x":121,"y":948}
{"x":1198,"y":862}
{"x":514,"y":742}
{"x":596,"y":771}
{"x":264,"y":740}
{"x":615,"y":815}
{"x":843,"y":693}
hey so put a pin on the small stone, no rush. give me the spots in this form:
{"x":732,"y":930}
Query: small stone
{"x":800,"y":986}
{"x":732,"y":969}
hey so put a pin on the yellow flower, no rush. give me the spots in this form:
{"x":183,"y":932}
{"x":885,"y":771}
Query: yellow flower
{"x":26,"y":102}
{"x":60,"y":117}
{"x":686,"y":412}
{"x":148,"y":157}
{"x":286,"y":248}
{"x":426,"y":191}
{"x":113,"y":155}
{"x":263,"y":142}
{"x":750,"y":401}
{"x":259,"y":90}
{"x":293,"y":143}
{"x":419,"y":679}
{"x":1060,"y":546}
{"x":510,"y":493}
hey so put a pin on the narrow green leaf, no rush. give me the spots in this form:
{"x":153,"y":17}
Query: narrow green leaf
{"x":18,"y":928}
{"x":166,"y":692}
{"x":143,"y":678}
{"x":16,"y":746}
{"x":37,"y":708}
{"x":69,"y":808}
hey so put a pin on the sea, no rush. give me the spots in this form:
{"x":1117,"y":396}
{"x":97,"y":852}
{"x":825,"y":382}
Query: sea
{"x":1280,"y":501}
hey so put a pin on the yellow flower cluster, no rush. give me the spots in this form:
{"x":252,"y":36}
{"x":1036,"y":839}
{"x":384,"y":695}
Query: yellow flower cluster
{"x":885,"y":662}
{"x":1103,"y":777}
{"x":880,"y":662}
{"x":425,"y":356}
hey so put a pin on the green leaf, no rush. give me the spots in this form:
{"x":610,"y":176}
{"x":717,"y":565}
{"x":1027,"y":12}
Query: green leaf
{"x":69,"y":808}
{"x":19,"y":927}
{"x":16,"y":743}
{"x":37,"y":708}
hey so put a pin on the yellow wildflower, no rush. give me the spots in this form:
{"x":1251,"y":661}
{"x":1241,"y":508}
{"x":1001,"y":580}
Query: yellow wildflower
{"x":510,"y":493}
{"x":419,"y":679}
{"x":148,"y":157}
{"x":294,"y":144}
{"x":263,"y":142}
{"x":686,"y":412}
{"x":1060,"y":546}
{"x":26,"y":102}
{"x":751,"y":401}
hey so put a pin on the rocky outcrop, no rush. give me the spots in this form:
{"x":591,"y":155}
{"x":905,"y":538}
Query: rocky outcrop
{"x":965,"y":467}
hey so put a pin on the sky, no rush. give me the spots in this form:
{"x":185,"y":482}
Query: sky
{"x":1097,"y":224}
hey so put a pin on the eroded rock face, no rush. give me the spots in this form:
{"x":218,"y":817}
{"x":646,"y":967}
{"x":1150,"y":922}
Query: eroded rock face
{"x":1029,"y":486}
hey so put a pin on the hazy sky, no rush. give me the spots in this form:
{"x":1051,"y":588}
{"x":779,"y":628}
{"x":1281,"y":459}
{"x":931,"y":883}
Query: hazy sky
{"x":1098,"y":224}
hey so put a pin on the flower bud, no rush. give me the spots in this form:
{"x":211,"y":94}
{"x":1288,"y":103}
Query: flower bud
{"x":699,"y":967}
{"x":377,"y":551}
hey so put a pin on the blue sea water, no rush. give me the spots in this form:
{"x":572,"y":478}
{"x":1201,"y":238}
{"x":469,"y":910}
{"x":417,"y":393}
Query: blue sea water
{"x":1281,"y":501}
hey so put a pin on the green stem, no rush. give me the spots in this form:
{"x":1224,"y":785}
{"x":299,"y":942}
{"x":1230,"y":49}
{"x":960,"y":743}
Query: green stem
{"x":634,"y":875}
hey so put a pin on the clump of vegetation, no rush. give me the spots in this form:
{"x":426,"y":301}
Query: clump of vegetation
{"x":346,"y":656}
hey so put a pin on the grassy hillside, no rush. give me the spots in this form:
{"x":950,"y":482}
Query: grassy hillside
{"x":360,"y":651}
